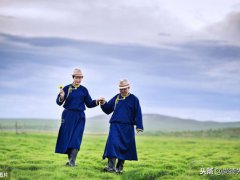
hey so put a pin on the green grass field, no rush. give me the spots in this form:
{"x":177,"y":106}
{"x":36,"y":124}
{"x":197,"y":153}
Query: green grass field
{"x":31,"y":156}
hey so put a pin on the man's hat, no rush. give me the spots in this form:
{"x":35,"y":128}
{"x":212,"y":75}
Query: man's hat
{"x":123,"y":84}
{"x":77,"y":72}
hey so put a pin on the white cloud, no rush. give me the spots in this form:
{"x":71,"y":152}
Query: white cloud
{"x":145,"y":22}
{"x":199,"y":14}
{"x":34,"y":12}
{"x":228,"y":29}
{"x":228,"y":70}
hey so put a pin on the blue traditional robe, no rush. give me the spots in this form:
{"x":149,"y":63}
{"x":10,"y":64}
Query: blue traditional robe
{"x":73,"y":117}
{"x":121,"y":138}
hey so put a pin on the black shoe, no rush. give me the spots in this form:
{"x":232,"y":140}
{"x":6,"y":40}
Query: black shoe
{"x":119,"y":167}
{"x":119,"y":171}
{"x":108,"y":169}
{"x":69,"y":164}
{"x":69,"y":155}
{"x":72,"y":155}
{"x":111,"y":165}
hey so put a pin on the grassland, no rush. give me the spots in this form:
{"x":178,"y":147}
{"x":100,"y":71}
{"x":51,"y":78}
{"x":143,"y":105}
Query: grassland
{"x":31,"y":156}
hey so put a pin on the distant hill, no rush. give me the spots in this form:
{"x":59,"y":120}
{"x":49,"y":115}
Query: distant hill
{"x":157,"y":122}
{"x":100,"y":124}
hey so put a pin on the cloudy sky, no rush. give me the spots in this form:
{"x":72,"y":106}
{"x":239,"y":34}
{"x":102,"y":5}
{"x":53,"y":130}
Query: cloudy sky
{"x":181,"y":57}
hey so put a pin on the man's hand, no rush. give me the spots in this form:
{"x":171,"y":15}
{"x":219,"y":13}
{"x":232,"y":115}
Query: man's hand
{"x":62,"y":94}
{"x":139,"y":130}
{"x":101,"y":101}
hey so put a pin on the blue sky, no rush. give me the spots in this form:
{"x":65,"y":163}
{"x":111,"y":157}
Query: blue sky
{"x":182,"y":59}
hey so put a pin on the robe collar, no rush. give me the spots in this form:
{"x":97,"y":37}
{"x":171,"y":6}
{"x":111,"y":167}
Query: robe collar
{"x":75,"y":87}
{"x":123,"y":97}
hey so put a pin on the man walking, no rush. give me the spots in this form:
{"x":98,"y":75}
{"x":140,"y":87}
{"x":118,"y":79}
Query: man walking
{"x":121,"y":138}
{"x":74,"y":98}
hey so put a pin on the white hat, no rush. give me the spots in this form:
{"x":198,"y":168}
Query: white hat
{"x":123,"y":84}
{"x":77,"y":72}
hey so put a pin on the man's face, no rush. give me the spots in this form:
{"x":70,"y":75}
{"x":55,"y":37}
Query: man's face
{"x":77,"y":79}
{"x":124,"y":92}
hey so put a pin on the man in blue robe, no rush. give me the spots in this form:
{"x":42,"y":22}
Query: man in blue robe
{"x":121,"y":139}
{"x":75,"y":97}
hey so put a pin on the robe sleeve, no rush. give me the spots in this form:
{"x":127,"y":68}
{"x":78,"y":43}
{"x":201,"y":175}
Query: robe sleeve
{"x":108,"y":107}
{"x":138,"y":115}
{"x":88,"y":100}
{"x":58,"y":100}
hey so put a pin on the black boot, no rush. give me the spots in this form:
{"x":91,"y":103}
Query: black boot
{"x":119,"y":167}
{"x":111,"y":165}
{"x":72,"y":157}
{"x":69,"y":155}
